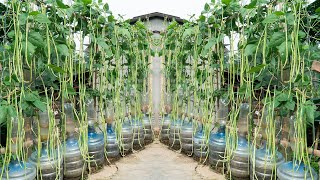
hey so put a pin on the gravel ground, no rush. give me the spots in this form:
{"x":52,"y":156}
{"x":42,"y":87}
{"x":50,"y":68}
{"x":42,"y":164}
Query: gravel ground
{"x":156,"y":162}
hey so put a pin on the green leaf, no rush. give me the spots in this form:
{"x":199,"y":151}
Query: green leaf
{"x":279,"y":13}
{"x":86,"y":2}
{"x":3,"y":114}
{"x":30,"y":47}
{"x":283,"y":97}
{"x":71,"y":90}
{"x":34,"y":13}
{"x":243,"y":89}
{"x":199,"y":40}
{"x":277,"y":38}
{"x":276,"y":103}
{"x":271,"y":18}
{"x":11,"y":34}
{"x":56,"y":69}
{"x":125,"y":32}
{"x":290,"y":18}
{"x":23,"y":18}
{"x":250,"y":49}
{"x":257,"y":68}
{"x":226,"y":2}
{"x":309,"y":110}
{"x":63,"y":50}
{"x":106,"y":7}
{"x":30,"y":97}
{"x":61,"y":4}
{"x":110,"y":18}
{"x":36,"y":39}
{"x":251,"y":5}
{"x":283,"y":46}
{"x":290,"y":105}
{"x":42,"y":18}
{"x":40,"y":105}
{"x":318,"y":10}
{"x":207,"y":7}
{"x":12,"y":113}
{"x":212,"y":41}
{"x":101,"y":42}
{"x":187,"y":32}
{"x":301,"y":34}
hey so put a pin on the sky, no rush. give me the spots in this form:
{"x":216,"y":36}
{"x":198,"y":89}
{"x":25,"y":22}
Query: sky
{"x":180,"y":8}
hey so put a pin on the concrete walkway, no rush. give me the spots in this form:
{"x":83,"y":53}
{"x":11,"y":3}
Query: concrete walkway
{"x":156,"y":162}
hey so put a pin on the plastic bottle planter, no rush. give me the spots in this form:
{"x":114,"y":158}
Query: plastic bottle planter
{"x":148,"y":134}
{"x":165,"y":129}
{"x":265,"y":164}
{"x":95,"y":148}
{"x":200,"y":148}
{"x":138,"y":134}
{"x":186,"y":135}
{"x":49,"y":166}
{"x":217,"y":146}
{"x":73,"y":160}
{"x":239,"y":164}
{"x":174,"y":136}
{"x":291,"y":171}
{"x":17,"y":170}
{"x":112,"y":147}
{"x":126,"y":138}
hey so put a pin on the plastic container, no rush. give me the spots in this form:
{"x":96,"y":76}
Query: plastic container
{"x":148,"y":134}
{"x":112,"y":146}
{"x":91,"y":112}
{"x":243,"y":119}
{"x":217,"y":147}
{"x":95,"y":147}
{"x":73,"y":160}
{"x":165,"y":129}
{"x":239,"y":164}
{"x":49,"y":166}
{"x":222,"y":112}
{"x":44,"y":125}
{"x":200,"y":148}
{"x":186,"y":135}
{"x":138,"y":134}
{"x":126,"y":137}
{"x":174,"y":136}
{"x":294,"y":171}
{"x":18,"y":170}
{"x":265,"y":164}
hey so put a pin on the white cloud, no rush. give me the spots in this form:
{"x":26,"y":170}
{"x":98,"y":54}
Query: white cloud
{"x":181,"y":8}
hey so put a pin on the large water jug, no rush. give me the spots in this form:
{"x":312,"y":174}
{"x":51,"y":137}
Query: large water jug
{"x":148,"y":134}
{"x":265,"y":164}
{"x":186,"y":135}
{"x":138,"y":134}
{"x":112,"y":146}
{"x":200,"y":147}
{"x":217,"y":147}
{"x":126,"y":137}
{"x":49,"y":164}
{"x":95,"y":148}
{"x":174,"y":136}
{"x":73,"y":160}
{"x":165,"y":129}
{"x":296,"y":171}
{"x":18,"y":170}
{"x":239,"y":164}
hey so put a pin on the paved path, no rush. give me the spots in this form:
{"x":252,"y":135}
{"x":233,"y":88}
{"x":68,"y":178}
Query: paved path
{"x":156,"y":162}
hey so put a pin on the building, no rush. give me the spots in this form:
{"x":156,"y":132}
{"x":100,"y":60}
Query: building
{"x":157,"y":22}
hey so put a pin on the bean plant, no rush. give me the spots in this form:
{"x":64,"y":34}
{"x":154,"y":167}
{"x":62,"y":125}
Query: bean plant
{"x":52,"y":53}
{"x":258,"y":53}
